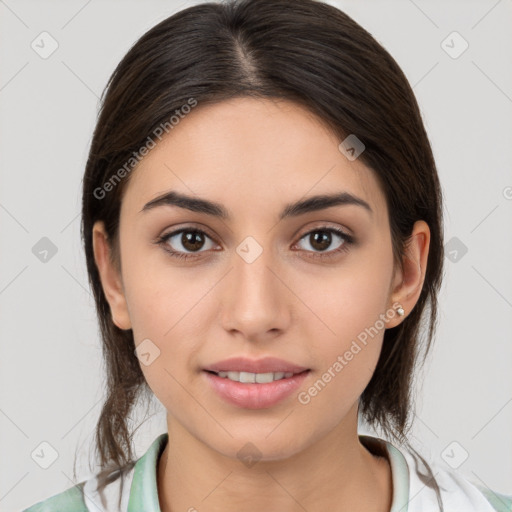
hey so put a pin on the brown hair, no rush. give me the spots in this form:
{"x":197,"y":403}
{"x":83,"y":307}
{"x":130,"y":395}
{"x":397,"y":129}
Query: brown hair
{"x":305,"y":51}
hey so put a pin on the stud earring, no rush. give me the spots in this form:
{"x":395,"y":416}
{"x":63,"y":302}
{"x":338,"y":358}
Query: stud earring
{"x":400,"y":310}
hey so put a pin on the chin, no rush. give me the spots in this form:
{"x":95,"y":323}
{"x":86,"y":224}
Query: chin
{"x":250,"y":449}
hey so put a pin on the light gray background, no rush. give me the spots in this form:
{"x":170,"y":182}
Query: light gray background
{"x":51,"y":377}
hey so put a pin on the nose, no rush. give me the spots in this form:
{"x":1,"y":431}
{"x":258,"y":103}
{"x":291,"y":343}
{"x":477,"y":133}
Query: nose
{"x":257,"y":301}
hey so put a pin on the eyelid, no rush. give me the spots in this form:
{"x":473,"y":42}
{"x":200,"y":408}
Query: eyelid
{"x":348,"y":240}
{"x":190,"y":226}
{"x":346,"y":234}
{"x":304,"y":231}
{"x":325,"y":224}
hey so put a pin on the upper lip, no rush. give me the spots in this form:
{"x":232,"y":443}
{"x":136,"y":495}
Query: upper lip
{"x":264,"y":365}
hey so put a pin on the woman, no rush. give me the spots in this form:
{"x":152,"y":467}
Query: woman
{"x":262,"y":222}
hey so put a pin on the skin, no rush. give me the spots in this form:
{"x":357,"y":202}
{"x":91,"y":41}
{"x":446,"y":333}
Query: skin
{"x":285,"y":304}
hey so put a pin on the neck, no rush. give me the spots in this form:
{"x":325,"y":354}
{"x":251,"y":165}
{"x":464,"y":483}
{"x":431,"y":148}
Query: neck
{"x":337,"y":472}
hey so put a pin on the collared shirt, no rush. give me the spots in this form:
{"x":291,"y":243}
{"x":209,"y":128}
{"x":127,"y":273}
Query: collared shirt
{"x":135,"y":489}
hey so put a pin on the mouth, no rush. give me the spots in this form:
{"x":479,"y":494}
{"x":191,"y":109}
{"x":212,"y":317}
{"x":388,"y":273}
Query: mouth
{"x":249,"y":390}
{"x":255,"y":378}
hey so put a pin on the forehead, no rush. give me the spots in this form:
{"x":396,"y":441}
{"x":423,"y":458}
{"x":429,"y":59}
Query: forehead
{"x":250,"y":154}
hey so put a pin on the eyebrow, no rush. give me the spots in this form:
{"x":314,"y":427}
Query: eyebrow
{"x":310,"y":204}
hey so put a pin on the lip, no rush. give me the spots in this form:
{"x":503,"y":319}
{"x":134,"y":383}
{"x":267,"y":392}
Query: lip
{"x":255,"y":395}
{"x":264,"y":365}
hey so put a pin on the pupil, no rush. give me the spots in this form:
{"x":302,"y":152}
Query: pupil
{"x":192,"y":240}
{"x":319,"y":237}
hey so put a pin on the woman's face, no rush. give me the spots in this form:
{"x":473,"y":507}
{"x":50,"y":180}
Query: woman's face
{"x":255,"y":283}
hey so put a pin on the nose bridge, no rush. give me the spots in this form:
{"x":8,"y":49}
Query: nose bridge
{"x":252,"y":263}
{"x":255,"y":294}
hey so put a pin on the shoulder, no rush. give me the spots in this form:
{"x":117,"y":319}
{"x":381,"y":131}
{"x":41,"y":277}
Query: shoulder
{"x":458,"y":492}
{"x":111,"y":489}
{"x":70,"y":500}
{"x":500,"y":502}
{"x":105,"y":491}
{"x":475,"y":494}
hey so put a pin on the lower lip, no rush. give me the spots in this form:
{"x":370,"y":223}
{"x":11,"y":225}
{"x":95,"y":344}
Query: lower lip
{"x":254,"y":395}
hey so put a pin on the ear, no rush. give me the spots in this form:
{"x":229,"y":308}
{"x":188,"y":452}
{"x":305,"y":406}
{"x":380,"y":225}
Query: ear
{"x":110,"y":277}
{"x":407,"y":285}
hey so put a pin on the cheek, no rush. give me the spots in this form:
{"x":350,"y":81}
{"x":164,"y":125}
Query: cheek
{"x":168,"y":306}
{"x":350,"y":309}
{"x":169,"y":319}
{"x":157,"y":293}
{"x":346,"y":359}
{"x":349,"y":299}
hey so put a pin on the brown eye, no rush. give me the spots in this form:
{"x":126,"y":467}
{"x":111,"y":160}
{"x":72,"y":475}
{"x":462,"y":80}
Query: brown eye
{"x":192,"y":240}
{"x":180,"y":243}
{"x":188,"y":242}
{"x":321,"y":239}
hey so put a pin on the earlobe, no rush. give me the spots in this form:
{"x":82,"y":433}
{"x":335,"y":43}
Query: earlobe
{"x":110,"y":277}
{"x":410,"y":282}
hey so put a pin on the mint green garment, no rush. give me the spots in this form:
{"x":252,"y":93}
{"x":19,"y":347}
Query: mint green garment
{"x":409,"y":491}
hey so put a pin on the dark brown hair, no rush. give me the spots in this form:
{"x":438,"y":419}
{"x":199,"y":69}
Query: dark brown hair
{"x":304,"y":51}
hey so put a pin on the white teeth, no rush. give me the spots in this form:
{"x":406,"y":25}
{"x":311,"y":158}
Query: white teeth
{"x":247,"y":377}
{"x":263,"y":378}
{"x":260,"y":378}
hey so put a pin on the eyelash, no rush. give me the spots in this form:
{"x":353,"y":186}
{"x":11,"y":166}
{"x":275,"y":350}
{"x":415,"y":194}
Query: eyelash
{"x":348,"y":241}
